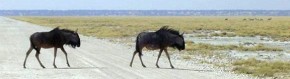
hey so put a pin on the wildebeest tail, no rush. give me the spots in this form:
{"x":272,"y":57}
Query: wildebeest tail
{"x":137,"y":45}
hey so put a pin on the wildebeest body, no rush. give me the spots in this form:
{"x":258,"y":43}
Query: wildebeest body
{"x":55,"y":38}
{"x":161,"y":39}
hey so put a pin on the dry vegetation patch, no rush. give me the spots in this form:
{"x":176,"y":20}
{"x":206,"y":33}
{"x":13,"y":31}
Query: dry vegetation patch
{"x":262,"y":68}
{"x":204,"y":48}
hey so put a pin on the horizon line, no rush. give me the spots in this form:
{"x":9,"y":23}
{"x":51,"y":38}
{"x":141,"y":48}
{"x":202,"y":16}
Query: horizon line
{"x":144,"y":9}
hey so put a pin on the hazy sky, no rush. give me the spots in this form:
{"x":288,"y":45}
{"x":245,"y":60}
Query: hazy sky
{"x":145,"y":4}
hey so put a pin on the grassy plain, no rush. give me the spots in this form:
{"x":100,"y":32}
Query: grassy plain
{"x":126,"y":26}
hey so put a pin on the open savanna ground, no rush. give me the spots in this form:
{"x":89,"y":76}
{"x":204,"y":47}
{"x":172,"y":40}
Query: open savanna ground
{"x":249,"y":45}
{"x":95,"y":59}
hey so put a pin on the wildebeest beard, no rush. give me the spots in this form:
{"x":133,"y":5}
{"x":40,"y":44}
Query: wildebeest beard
{"x":177,"y":46}
{"x":72,"y":44}
{"x":73,"y":40}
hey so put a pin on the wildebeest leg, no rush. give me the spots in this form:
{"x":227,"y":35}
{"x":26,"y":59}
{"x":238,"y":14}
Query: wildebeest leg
{"x":55,"y":52}
{"x":168,"y":57}
{"x":133,"y":58}
{"x":158,"y":57}
{"x":140,"y":55}
{"x":65,"y":56}
{"x":37,"y":57}
{"x":27,"y":53}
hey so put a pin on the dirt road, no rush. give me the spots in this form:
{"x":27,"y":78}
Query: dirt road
{"x":95,"y":59}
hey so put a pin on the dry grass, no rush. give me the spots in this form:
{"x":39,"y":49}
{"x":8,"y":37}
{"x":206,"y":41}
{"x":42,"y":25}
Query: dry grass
{"x":259,"y":47}
{"x":190,"y":46}
{"x":262,"y":68}
{"x":123,"y":26}
{"x":186,"y":57}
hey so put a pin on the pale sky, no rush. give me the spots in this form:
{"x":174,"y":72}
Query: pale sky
{"x":145,"y":4}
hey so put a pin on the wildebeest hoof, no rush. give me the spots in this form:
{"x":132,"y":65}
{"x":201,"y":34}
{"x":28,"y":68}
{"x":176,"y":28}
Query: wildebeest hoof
{"x":157,"y":66}
{"x":144,"y":66}
{"x":42,"y":66}
{"x":172,"y":67}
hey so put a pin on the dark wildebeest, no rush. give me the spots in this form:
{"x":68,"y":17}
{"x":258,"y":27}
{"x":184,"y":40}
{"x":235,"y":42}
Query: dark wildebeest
{"x":226,"y":19}
{"x":160,"y":39}
{"x":55,"y":38}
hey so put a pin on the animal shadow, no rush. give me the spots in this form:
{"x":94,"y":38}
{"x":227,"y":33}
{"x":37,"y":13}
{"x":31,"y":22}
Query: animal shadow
{"x":188,"y":69}
{"x":78,"y":68}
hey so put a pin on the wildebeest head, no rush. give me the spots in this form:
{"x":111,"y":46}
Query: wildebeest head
{"x":179,"y":42}
{"x":74,"y":39}
{"x":172,"y":37}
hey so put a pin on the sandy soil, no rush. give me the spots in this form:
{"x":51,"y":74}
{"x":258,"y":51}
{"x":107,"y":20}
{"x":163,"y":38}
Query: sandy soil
{"x":95,"y":59}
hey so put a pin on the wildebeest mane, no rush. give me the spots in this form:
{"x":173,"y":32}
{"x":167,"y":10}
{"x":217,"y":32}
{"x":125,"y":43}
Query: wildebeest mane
{"x":62,"y":30}
{"x":67,"y":30}
{"x":166,"y":29}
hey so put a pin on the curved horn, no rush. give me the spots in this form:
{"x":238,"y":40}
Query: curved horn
{"x":182,"y":33}
{"x":57,"y":27}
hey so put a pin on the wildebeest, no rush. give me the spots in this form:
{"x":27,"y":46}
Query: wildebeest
{"x":161,"y":39}
{"x":55,"y":38}
{"x":226,"y":19}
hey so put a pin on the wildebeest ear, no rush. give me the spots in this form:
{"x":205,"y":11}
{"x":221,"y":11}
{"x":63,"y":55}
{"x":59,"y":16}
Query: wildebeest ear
{"x":76,"y":30}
